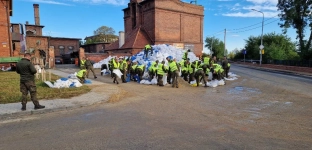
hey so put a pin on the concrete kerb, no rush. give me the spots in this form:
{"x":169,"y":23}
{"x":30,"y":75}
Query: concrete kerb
{"x":101,"y":92}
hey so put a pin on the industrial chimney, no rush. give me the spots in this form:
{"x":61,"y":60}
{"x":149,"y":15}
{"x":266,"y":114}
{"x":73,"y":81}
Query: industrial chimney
{"x":36,"y":11}
{"x":121,"y":38}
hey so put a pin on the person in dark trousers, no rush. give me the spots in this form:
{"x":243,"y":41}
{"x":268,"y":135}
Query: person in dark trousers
{"x":89,"y":67}
{"x":123,"y":69}
{"x":200,"y":73}
{"x":82,"y":63}
{"x":81,"y":75}
{"x":110,"y":66}
{"x":161,"y":70}
{"x":225,"y":66}
{"x":169,"y":74}
{"x":115,"y":66}
{"x":133,"y":71}
{"x":27,"y":72}
{"x":103,"y":66}
{"x":147,"y":48}
{"x":175,"y":70}
{"x":140,"y":71}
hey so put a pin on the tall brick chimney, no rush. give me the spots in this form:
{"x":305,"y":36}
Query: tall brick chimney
{"x":36,"y":11}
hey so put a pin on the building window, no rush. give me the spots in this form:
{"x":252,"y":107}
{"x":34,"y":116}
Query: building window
{"x":71,"y":48}
{"x":62,"y":50}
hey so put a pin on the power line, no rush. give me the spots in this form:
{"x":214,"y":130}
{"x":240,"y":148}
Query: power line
{"x":256,"y":27}
{"x":253,"y":24}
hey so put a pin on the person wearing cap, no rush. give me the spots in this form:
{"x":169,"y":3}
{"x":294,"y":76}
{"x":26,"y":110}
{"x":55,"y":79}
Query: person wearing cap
{"x":161,"y":70}
{"x":174,"y":71}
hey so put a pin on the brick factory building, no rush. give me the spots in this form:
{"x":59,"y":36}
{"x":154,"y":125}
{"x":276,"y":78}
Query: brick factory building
{"x":18,"y":38}
{"x":5,"y":39}
{"x":160,"y":22}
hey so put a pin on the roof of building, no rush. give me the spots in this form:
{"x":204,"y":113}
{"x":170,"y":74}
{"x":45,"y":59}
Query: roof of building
{"x":65,"y":38}
{"x":34,"y":25}
{"x":137,"y":38}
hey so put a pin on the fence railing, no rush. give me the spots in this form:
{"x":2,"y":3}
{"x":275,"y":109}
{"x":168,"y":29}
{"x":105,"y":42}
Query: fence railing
{"x":299,"y":63}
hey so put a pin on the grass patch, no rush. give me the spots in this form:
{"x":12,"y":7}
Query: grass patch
{"x":10,"y":89}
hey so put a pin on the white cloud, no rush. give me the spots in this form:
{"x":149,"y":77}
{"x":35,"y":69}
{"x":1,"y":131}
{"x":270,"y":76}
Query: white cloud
{"x":251,"y":14}
{"x":260,"y":8}
{"x":271,"y":2}
{"x":235,"y":35}
{"x":50,"y":2}
{"x":113,"y":2}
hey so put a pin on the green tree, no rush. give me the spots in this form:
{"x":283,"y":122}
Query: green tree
{"x":277,"y":47}
{"x":297,"y":14}
{"x":104,"y":34}
{"x":216,"y":46}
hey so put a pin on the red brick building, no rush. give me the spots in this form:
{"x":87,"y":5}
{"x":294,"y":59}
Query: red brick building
{"x":5,"y":34}
{"x":161,"y":22}
{"x":35,"y":40}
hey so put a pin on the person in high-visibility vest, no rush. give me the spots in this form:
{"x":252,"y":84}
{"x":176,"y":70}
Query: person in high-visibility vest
{"x":161,"y":70}
{"x":201,"y":73}
{"x":184,"y":69}
{"x":190,"y":72}
{"x":218,"y":71}
{"x":82,"y":63}
{"x":116,"y":65}
{"x":123,"y":68}
{"x":185,"y":55}
{"x":174,"y":70}
{"x":152,"y":70}
{"x":132,"y":71}
{"x":147,"y":48}
{"x":81,"y":75}
{"x":140,"y":71}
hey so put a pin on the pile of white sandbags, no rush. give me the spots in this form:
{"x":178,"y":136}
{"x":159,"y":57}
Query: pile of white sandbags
{"x":160,"y":52}
{"x":64,"y":83}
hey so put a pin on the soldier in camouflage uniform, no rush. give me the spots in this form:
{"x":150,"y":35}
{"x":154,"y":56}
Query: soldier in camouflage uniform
{"x":27,"y":73}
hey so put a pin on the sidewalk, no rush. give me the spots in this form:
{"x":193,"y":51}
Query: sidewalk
{"x":304,"y":71}
{"x":100,"y":92}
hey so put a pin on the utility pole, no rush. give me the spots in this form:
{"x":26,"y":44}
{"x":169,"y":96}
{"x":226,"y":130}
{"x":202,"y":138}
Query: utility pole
{"x":224,"y":42}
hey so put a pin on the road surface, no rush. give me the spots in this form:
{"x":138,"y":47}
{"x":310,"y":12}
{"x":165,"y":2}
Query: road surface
{"x":260,"y":110}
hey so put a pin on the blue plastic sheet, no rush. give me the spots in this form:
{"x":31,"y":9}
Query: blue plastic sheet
{"x":64,"y":79}
{"x":87,"y":81}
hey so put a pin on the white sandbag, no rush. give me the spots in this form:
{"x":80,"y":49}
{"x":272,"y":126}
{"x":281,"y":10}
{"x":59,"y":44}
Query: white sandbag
{"x":104,"y":70}
{"x":209,"y":76}
{"x":147,"y":82}
{"x":221,"y":82}
{"x":165,"y":79}
{"x":154,"y":81}
{"x":212,"y":83}
{"x":142,"y":81}
{"x":117,"y":72}
{"x":193,"y":82}
{"x":49,"y":84}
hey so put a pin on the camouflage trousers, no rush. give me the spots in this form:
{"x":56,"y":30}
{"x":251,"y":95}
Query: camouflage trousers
{"x":30,"y":87}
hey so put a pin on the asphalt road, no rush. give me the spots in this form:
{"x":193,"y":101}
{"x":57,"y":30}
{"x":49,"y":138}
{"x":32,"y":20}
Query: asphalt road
{"x":261,"y":110}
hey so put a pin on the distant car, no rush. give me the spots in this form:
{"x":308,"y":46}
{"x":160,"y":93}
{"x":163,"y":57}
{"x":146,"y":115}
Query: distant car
{"x":58,"y":60}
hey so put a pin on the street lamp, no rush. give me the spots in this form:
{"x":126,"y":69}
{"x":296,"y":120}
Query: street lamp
{"x":261,"y":46}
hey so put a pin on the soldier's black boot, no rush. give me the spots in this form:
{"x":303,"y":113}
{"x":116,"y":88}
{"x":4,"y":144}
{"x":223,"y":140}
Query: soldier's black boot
{"x":39,"y":106}
{"x":23,"y":107}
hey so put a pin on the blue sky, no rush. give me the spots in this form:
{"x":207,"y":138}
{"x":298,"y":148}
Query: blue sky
{"x":79,"y":18}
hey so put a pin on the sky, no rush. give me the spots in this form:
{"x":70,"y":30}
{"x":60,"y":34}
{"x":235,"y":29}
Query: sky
{"x":79,"y":18}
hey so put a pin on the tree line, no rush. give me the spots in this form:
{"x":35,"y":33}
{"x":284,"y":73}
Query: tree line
{"x":293,"y":14}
